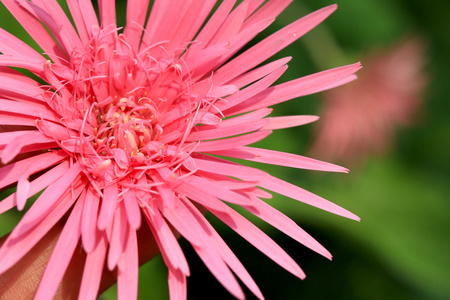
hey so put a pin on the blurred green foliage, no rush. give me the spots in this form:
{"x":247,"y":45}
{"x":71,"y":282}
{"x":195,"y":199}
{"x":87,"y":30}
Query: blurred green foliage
{"x":400,"y":248}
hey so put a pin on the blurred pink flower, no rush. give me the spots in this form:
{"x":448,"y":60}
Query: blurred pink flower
{"x":360,"y":118}
{"x":129,"y":126}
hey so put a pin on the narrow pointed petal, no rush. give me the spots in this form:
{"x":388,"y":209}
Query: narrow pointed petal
{"x":132,"y":209}
{"x":166,"y":241}
{"x":219,"y":269}
{"x":108,"y":206}
{"x":16,"y":246}
{"x":216,"y":189}
{"x":29,"y":109}
{"x":252,"y":234}
{"x":297,"y":88}
{"x":280,"y":159}
{"x":93,"y":269}
{"x":211,"y":27}
{"x":289,"y":190}
{"x":288,"y":121}
{"x":12,"y":46}
{"x":233,"y":142}
{"x":179,"y":216}
{"x":66,"y":31}
{"x":127,"y":277}
{"x":35,"y":29}
{"x":177,"y":285}
{"x":89,"y":233}
{"x":258,"y":73}
{"x":107,"y":10}
{"x":275,"y":43}
{"x":136,"y":13}
{"x":47,"y":200}
{"x":118,"y":239}
{"x":61,"y":256}
{"x":227,"y":255}
{"x":36,"y":186}
{"x":224,"y":167}
{"x":283,"y":223}
{"x":12,"y":172}
{"x":225,"y":131}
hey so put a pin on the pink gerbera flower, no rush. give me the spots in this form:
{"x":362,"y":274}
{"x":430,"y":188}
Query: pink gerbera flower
{"x":130,"y":130}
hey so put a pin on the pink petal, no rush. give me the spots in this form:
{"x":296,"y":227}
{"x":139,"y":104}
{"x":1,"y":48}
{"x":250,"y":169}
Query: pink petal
{"x":34,"y":27}
{"x":132,"y":209}
{"x":288,"y":121}
{"x":47,"y":200}
{"x":19,"y":87}
{"x":201,"y":197}
{"x":289,"y":190}
{"x":118,"y":238}
{"x":12,"y":46}
{"x":253,"y":116}
{"x":22,"y":192}
{"x":227,"y":255}
{"x":162,"y":21}
{"x":286,"y":225}
{"x":107,"y":10}
{"x":232,"y":24}
{"x":249,"y":92}
{"x":21,"y":145}
{"x":13,"y":74}
{"x":17,"y":245}
{"x":89,"y":16}
{"x":270,"y":9}
{"x":258,"y":73}
{"x":77,"y":15}
{"x":66,"y":31}
{"x":219,"y":269}
{"x":209,"y":59}
{"x":127,"y":274}
{"x":231,"y":142}
{"x":56,"y":131}
{"x":108,"y":206}
{"x":136,"y":14}
{"x":296,"y":88}
{"x":62,"y":254}
{"x":23,"y":62}
{"x":211,"y":27}
{"x":164,"y":189}
{"x":29,"y":109}
{"x":16,"y":169}
{"x":167,"y":243}
{"x":228,"y":182}
{"x":14,"y":119}
{"x":188,"y":25}
{"x":279,"y":40}
{"x":251,"y":233}
{"x":89,"y":232}
{"x":183,"y":221}
{"x":177,"y":285}
{"x":225,"y":167}
{"x":36,"y":185}
{"x":216,"y":189}
{"x":93,"y":269}
{"x":280,"y":158}
{"x":225,"y":131}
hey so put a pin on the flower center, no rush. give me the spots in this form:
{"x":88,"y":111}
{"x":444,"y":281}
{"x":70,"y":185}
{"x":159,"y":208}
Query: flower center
{"x":129,"y":125}
{"x":121,"y":103}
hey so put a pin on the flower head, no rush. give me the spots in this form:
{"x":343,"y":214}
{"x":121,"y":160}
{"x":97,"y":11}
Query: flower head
{"x":123,"y":129}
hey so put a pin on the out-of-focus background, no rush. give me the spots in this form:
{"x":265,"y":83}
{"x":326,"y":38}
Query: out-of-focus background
{"x":391,"y":128}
